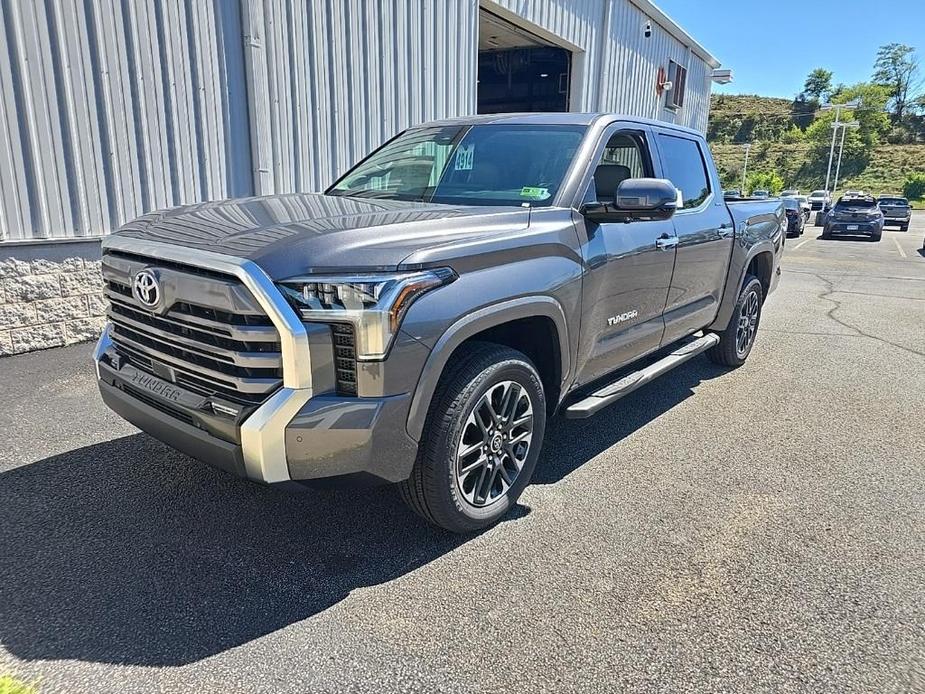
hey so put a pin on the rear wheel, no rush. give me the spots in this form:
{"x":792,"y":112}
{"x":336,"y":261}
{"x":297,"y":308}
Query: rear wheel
{"x":737,"y":340}
{"x":904,"y":227}
{"x":481,"y":441}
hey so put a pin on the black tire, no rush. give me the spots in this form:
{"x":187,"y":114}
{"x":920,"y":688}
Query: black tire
{"x":876,"y":237}
{"x":826,"y":234}
{"x":728,"y":351}
{"x":435,"y":490}
{"x":904,"y":227}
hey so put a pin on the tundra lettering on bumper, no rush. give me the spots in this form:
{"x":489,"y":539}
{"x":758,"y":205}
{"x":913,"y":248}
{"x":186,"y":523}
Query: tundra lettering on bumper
{"x":300,"y":430}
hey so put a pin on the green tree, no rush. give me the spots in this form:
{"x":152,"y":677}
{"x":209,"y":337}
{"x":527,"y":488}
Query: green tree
{"x":914,"y":187}
{"x":897,"y":69}
{"x":818,"y":85}
{"x":764,"y":180}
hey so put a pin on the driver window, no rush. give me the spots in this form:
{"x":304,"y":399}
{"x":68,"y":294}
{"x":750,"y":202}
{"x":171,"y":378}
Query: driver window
{"x":623,"y":157}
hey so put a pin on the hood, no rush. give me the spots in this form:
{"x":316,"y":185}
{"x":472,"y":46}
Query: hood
{"x":294,"y":233}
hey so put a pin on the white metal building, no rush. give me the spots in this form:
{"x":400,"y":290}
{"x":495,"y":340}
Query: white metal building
{"x":110,"y":109}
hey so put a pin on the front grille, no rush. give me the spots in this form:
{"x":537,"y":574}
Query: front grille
{"x":345,"y":358}
{"x":214,"y":338}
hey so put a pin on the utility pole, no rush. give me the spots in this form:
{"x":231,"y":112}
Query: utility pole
{"x":837,"y":108}
{"x":841,"y":149}
{"x":747,"y":146}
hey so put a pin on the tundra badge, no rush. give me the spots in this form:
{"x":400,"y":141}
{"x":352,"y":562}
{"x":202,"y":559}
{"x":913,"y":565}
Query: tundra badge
{"x":616,"y":320}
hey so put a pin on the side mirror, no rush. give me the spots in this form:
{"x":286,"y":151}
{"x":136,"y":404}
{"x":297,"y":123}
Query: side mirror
{"x":636,"y":200}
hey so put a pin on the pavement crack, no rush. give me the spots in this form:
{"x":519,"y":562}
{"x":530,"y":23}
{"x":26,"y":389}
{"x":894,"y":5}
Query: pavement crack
{"x":827,"y":296}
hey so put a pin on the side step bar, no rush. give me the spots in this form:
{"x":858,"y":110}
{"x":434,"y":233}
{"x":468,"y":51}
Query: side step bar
{"x":609,"y":394}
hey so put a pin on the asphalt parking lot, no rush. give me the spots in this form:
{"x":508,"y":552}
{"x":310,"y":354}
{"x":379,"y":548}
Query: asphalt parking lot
{"x":755,"y":530}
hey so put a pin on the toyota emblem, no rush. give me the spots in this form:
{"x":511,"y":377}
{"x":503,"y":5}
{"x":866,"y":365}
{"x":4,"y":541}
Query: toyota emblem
{"x":146,"y":289}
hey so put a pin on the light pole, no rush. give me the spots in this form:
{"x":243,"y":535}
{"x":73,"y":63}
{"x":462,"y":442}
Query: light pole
{"x":747,"y":146}
{"x":837,"y":108}
{"x":841,"y":149}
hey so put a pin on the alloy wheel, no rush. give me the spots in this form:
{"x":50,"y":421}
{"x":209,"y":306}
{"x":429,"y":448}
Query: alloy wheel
{"x":748,"y":323}
{"x":494,"y":444}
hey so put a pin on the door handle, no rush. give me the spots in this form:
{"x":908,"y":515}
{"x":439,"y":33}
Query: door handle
{"x":666,"y":242}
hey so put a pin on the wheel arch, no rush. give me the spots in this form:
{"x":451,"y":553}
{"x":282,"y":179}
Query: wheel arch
{"x":758,"y":261}
{"x":535,"y":325}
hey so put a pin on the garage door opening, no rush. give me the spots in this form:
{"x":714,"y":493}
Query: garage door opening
{"x":519,"y":71}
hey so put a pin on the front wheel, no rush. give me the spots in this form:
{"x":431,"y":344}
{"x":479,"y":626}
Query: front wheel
{"x":737,"y":340}
{"x":481,"y":440}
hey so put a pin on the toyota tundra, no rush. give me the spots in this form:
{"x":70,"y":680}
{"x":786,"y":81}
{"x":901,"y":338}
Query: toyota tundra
{"x":419,"y":321}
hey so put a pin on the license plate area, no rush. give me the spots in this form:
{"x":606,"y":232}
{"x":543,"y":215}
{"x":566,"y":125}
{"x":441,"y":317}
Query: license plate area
{"x":852,"y":227}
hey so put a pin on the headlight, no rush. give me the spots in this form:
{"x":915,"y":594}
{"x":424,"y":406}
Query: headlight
{"x":374,"y":303}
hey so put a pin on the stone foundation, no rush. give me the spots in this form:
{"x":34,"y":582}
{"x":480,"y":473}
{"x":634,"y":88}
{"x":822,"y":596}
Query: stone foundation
{"x":50,"y":296}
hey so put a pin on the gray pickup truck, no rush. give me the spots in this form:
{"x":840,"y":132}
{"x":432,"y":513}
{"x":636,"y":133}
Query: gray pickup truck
{"x":420,"y":321}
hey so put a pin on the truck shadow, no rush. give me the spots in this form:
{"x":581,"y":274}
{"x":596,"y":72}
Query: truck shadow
{"x":128,"y":552}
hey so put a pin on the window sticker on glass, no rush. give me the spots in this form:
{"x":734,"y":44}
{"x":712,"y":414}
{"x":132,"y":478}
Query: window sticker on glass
{"x":464,"y":157}
{"x":534,"y":193}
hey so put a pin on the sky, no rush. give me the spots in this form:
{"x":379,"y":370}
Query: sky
{"x":772,"y":46}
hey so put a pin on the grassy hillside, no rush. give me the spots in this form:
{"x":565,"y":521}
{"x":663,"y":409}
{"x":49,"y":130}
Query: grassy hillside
{"x":885,"y":173}
{"x":749,"y":118}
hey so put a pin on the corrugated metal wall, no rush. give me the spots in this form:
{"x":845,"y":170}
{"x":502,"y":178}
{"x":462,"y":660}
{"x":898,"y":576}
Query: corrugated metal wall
{"x":334,"y":78}
{"x":113,"y":108}
{"x":617,"y":64}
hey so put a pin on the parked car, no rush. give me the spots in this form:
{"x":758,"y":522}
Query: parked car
{"x":820,"y":199}
{"x":419,"y":321}
{"x":761,"y":194}
{"x":896,"y":211}
{"x":854,"y":215}
{"x":789,"y":193}
{"x":804,"y":204}
{"x":732,"y":193}
{"x":796,"y":221}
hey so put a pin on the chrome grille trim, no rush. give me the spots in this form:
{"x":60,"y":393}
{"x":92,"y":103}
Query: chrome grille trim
{"x":263,"y":432}
{"x":239,"y":333}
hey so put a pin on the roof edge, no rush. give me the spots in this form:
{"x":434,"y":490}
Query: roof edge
{"x":676,"y":30}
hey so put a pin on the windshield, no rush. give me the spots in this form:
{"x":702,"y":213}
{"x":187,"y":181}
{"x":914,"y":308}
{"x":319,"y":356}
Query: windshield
{"x":894,"y":201}
{"x":817,"y":194}
{"x":472,"y":165}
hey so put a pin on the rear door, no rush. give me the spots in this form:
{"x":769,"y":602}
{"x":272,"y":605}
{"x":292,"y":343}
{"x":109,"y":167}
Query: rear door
{"x":628,"y":266}
{"x":705,"y":234}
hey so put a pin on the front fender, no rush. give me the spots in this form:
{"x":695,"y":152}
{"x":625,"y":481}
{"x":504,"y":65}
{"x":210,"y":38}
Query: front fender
{"x":472,"y":324}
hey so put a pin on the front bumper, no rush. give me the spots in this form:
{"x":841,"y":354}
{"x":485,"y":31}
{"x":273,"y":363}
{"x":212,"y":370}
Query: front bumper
{"x":303,"y":431}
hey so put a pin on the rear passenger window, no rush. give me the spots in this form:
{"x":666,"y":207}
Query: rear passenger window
{"x":685,"y":168}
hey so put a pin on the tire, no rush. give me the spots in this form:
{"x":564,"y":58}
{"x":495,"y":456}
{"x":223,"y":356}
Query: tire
{"x":904,"y":227}
{"x":438,"y":489}
{"x":876,"y":237}
{"x":826,"y":234}
{"x":748,"y":306}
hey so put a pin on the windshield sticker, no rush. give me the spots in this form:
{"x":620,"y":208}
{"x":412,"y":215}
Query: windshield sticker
{"x":534,"y":193}
{"x":464,"y":157}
